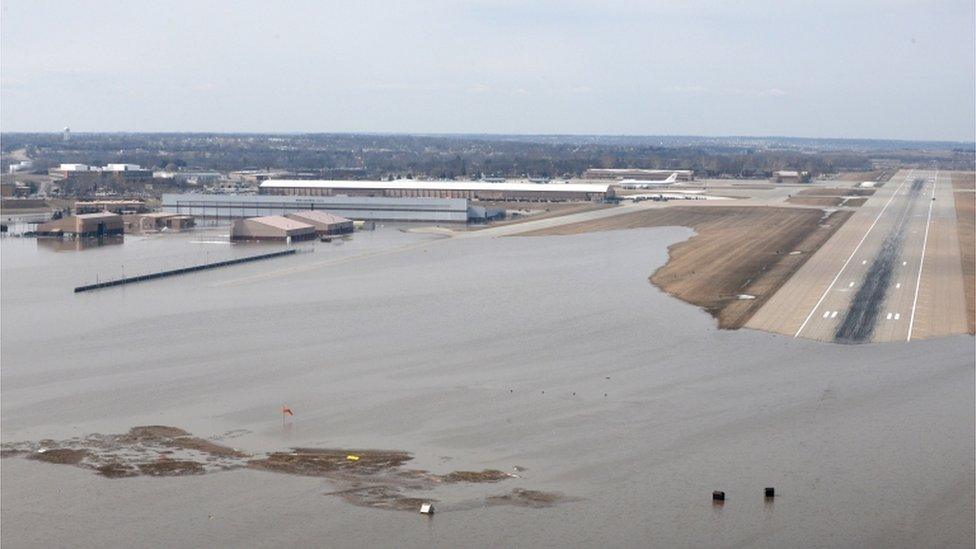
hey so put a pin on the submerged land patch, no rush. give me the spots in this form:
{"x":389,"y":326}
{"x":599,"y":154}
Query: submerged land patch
{"x":364,"y":477}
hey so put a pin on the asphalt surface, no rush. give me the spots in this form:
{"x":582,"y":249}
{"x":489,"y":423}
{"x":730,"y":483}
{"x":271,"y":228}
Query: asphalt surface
{"x":892,"y":273}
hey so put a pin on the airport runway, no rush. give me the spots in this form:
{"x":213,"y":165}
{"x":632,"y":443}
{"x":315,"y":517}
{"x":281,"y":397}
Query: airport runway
{"x":892,"y":273}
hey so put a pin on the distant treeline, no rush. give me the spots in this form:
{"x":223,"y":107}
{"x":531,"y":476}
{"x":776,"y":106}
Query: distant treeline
{"x":440,"y":156}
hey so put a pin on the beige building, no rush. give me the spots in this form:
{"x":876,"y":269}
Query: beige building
{"x":324,"y":223}
{"x":272,"y":227}
{"x":156,"y":221}
{"x":119,"y":206}
{"x":93,"y":224}
{"x":790,"y":176}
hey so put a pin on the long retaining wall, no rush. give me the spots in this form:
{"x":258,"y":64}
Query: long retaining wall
{"x":184,"y":270}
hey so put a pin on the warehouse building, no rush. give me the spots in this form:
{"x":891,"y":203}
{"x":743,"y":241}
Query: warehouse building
{"x":790,"y":176}
{"x":271,"y":227}
{"x":637,"y":173}
{"x":119,"y":173}
{"x":324,"y":222}
{"x":437,"y":210}
{"x":156,"y":221}
{"x":84,"y":225}
{"x":119,"y":206}
{"x":475,"y":190}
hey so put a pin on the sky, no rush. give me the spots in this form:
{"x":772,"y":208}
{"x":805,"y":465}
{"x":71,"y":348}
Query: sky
{"x":893,"y":69}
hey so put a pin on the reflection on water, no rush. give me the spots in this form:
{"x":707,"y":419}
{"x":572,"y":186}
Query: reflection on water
{"x":77,"y":244}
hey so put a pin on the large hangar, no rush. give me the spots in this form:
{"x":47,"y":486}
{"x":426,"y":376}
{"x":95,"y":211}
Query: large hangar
{"x":227,"y":206}
{"x":477,"y":190}
{"x":272,"y":227}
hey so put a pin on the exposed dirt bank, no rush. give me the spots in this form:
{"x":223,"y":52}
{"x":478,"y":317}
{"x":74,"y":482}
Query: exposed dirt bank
{"x":963,"y":184}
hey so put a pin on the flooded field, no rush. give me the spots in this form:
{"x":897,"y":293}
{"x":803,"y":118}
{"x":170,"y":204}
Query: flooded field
{"x":538,"y":389}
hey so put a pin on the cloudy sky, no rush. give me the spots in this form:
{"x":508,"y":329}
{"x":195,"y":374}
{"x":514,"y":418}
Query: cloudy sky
{"x":884,"y":69}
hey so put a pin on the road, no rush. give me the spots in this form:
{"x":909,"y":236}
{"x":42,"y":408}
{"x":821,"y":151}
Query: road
{"x":892,"y":273}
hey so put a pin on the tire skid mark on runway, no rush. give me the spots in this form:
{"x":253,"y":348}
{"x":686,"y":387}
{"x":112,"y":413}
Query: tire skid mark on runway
{"x":853,"y":253}
{"x":862,"y":315}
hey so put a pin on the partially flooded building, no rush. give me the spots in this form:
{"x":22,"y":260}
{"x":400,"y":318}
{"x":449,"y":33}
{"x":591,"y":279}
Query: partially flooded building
{"x":84,"y":225}
{"x":157,"y":221}
{"x":271,"y":228}
{"x":324,"y":222}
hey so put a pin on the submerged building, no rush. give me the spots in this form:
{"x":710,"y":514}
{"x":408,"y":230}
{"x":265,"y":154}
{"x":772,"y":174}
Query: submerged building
{"x":474,"y":190}
{"x":271,"y":227}
{"x":84,"y":225}
{"x":324,"y":222}
{"x":156,"y":221}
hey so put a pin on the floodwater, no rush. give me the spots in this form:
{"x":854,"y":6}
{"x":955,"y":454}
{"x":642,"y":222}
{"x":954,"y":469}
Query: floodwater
{"x":553,"y":354}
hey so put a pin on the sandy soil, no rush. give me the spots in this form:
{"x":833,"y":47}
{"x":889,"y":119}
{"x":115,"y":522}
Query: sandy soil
{"x":874,"y":175}
{"x":833,"y":191}
{"x":826,"y":201}
{"x":963,"y":184}
{"x":738,"y":259}
{"x":531,"y":211}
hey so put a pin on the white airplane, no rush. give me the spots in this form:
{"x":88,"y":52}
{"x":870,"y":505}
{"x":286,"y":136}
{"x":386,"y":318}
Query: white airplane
{"x":642,"y":184}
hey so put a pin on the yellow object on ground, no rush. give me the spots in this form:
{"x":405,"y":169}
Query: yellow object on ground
{"x":351,"y":457}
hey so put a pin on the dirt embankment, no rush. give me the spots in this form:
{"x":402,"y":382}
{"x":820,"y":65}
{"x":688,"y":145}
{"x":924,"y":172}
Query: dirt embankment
{"x":964,"y":184}
{"x":739,"y":258}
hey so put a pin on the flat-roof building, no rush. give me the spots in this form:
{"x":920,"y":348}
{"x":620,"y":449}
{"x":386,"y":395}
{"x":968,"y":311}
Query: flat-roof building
{"x":84,"y":225}
{"x":234,"y":206}
{"x":120,"y":173}
{"x":790,"y":176}
{"x":477,"y":190}
{"x":637,"y":173}
{"x":324,"y":222}
{"x":271,"y":227}
{"x":119,"y":206}
{"x":156,"y":221}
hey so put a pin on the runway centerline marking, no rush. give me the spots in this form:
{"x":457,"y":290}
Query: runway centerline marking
{"x":921,"y":262}
{"x":849,"y":258}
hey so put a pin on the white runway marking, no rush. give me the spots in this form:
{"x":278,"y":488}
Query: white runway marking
{"x":921,"y":263}
{"x":826,"y":314}
{"x":898,"y":285}
{"x":864,"y":262}
{"x":888,"y":317}
{"x":851,"y":285}
{"x":833,"y":314}
{"x":850,"y":257}
{"x":897,"y":316}
{"x":904,"y":263}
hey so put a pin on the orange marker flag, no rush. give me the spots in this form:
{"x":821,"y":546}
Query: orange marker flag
{"x":286,"y":410}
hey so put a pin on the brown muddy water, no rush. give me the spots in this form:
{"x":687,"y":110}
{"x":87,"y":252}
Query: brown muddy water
{"x":616,"y":409}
